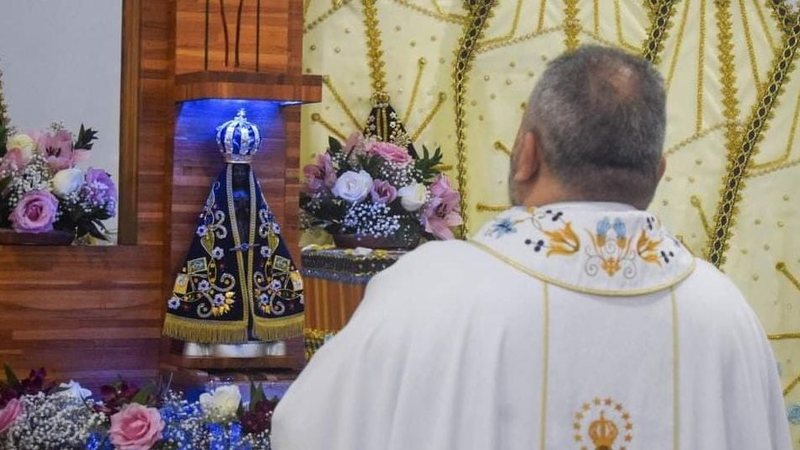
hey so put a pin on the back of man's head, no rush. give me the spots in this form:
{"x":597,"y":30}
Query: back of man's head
{"x":598,"y":115}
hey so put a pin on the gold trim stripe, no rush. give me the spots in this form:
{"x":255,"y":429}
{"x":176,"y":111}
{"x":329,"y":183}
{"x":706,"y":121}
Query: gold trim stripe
{"x":788,"y":389}
{"x":326,"y":80}
{"x":678,"y":42}
{"x":374,"y":52}
{"x":676,"y":373}
{"x":545,"y":361}
{"x":325,"y":16}
{"x":783,"y":336}
{"x":701,"y":68}
{"x":730,"y":94}
{"x":572,"y":25}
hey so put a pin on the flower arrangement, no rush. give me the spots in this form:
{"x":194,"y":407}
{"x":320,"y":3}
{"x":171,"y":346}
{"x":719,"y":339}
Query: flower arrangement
{"x":367,"y":187}
{"x":42,"y":189}
{"x":38,"y":415}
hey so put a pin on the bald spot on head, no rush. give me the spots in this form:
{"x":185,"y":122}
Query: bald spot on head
{"x":599,"y":117}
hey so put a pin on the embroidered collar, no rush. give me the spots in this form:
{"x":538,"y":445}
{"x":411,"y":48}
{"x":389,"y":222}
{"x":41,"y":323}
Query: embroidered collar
{"x":596,"y":248}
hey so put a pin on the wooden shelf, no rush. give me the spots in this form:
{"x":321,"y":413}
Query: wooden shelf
{"x":248,"y":86}
{"x":217,"y":363}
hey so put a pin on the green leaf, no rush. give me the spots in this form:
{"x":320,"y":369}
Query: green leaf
{"x":334,"y":145}
{"x":427,"y":165}
{"x":143,"y":396}
{"x":3,"y":139}
{"x":256,"y":394}
{"x":11,"y":379}
{"x":85,"y":138}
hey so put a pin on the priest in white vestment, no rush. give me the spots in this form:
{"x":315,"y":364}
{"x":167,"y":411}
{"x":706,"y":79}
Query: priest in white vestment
{"x":572,"y":321}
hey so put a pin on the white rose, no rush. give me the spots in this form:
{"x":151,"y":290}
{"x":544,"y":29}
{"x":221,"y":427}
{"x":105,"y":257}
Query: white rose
{"x":413,"y":196}
{"x":74,"y":389}
{"x":24,"y":143}
{"x":353,"y":186}
{"x":222,"y":403}
{"x":67,"y":181}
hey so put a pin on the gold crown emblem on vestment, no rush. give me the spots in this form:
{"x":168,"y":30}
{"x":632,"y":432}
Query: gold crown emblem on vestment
{"x":603,"y":433}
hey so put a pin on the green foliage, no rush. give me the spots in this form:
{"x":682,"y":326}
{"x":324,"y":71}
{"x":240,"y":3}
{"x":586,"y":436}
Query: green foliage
{"x":11,"y":379}
{"x":3,"y":138}
{"x":85,"y":138}
{"x":5,"y":122}
{"x":256,"y":395}
{"x":428,"y":163}
{"x":335,"y":147}
{"x":145,"y":395}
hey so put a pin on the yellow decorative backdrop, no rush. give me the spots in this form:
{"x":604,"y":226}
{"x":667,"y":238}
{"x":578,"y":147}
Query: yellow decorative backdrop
{"x":459,"y":73}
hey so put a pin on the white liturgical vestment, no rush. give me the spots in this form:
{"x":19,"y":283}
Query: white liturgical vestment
{"x":582,"y":326}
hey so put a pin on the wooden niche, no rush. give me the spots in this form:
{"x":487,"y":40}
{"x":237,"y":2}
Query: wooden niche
{"x":234,"y":54}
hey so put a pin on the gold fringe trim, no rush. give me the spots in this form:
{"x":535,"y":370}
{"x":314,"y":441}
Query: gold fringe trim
{"x":204,"y":331}
{"x":279,"y":329}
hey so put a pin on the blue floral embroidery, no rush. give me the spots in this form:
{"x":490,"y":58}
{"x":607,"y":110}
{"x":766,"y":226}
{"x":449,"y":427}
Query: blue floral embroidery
{"x":619,"y":228}
{"x":502,"y":227}
{"x":793,"y":412}
{"x":603,"y":226}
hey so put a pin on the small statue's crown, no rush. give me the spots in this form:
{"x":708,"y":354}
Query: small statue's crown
{"x":238,"y":139}
{"x":603,"y":433}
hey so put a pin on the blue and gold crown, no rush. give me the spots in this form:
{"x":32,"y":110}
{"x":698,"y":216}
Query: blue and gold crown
{"x":238,"y":139}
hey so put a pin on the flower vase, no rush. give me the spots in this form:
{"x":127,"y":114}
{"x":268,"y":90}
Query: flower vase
{"x":54,"y":237}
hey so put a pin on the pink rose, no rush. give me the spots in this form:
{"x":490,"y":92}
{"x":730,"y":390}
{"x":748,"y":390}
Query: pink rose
{"x":320,"y":176}
{"x":9,"y":414}
{"x":392,"y":153}
{"x":443,"y":211}
{"x":136,"y":427}
{"x":35,"y":212}
{"x":383,"y":192}
{"x":56,"y":147}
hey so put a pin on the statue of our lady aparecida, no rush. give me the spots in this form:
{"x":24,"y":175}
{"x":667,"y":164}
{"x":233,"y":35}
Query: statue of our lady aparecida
{"x":238,"y":293}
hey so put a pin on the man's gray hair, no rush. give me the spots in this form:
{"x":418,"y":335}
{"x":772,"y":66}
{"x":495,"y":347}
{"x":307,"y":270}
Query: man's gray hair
{"x":599,"y":116}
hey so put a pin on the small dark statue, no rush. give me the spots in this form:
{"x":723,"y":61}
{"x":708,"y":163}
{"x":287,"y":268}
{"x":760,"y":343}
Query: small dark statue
{"x":238,"y":293}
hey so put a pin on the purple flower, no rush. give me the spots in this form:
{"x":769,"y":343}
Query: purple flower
{"x":443,"y":211}
{"x":35,"y":212}
{"x":100,"y":190}
{"x":383,"y":192}
{"x":320,"y":176}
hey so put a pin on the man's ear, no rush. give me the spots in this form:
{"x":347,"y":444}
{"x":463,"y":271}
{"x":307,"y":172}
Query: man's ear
{"x":662,"y":167}
{"x":527,"y":158}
